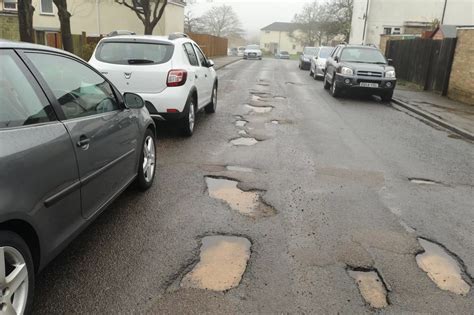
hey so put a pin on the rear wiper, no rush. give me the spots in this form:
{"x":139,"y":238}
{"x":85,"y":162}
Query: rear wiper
{"x":139,"y":61}
{"x":379,"y":63}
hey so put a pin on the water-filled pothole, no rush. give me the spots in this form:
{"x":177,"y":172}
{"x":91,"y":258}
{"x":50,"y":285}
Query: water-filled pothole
{"x":239,"y":169}
{"x":223,"y":260}
{"x":241,"y":123}
{"x":243,"y":141}
{"x":371,"y":286}
{"x":259,"y":109}
{"x":442,"y":268}
{"x":247,"y":203}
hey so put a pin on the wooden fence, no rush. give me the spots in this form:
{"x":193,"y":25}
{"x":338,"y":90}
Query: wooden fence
{"x":425,"y":62}
{"x":212,"y":46}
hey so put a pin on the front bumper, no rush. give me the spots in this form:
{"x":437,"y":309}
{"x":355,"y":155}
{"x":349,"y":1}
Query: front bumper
{"x":319,"y":71}
{"x":306,"y":64}
{"x":353,"y":83}
{"x":252,"y":56}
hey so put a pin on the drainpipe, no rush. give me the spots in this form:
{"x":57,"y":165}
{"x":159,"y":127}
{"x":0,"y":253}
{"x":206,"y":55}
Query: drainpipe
{"x":444,"y":11}
{"x":97,"y":5}
{"x":366,"y":17}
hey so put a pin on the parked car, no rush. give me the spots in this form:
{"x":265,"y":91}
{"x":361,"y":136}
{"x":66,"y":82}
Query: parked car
{"x":282,"y":55}
{"x":234,"y":52}
{"x":253,"y":52}
{"x":306,"y":56}
{"x":172,"y":75}
{"x":318,"y":62}
{"x":356,"y":68}
{"x":70,"y":143}
{"x":240,"y":51}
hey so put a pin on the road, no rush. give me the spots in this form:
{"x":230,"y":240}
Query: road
{"x":348,"y":185}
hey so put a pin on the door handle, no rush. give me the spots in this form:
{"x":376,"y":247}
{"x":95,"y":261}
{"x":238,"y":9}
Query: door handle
{"x":196,"y":76}
{"x":205,"y":75}
{"x":83,"y":142}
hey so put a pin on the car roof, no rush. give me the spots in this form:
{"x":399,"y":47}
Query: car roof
{"x":147,"y":38}
{"x":360,"y":46}
{"x":22,"y":45}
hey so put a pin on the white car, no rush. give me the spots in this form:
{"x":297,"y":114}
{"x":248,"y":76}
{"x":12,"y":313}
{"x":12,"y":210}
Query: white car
{"x":253,"y":52}
{"x":318,"y":62}
{"x":171,"y":74}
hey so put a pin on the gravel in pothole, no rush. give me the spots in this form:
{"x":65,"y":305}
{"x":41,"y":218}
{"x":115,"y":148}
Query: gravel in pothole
{"x":241,"y":123}
{"x":244,"y":141}
{"x":223,"y":260}
{"x":247,"y":203}
{"x":259,"y":109}
{"x":371,"y":287}
{"x":243,"y":133}
{"x":442,"y":268}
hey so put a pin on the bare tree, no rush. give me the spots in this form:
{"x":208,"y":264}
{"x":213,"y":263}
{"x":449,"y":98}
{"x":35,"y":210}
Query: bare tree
{"x":221,"y":21}
{"x":148,"y":11}
{"x":65,"y":23}
{"x":340,"y":17}
{"x":309,"y":24}
{"x":25,"y":21}
{"x":192,"y":24}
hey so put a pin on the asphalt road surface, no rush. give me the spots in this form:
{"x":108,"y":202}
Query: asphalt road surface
{"x":345,"y":185}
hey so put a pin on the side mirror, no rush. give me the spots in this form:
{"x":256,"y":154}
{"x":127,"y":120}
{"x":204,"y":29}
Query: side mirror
{"x":390,"y":62}
{"x":210,"y":63}
{"x":336,"y":58}
{"x":133,"y":100}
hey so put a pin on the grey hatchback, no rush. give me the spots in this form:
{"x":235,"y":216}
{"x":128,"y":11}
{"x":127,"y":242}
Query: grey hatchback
{"x":70,"y":143}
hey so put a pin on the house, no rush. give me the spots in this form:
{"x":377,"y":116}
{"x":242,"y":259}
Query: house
{"x":92,"y":17}
{"x":277,"y":37}
{"x":445,"y":31}
{"x":373,"y":18}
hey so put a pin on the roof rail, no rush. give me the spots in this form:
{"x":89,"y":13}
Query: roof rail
{"x":177,"y":35}
{"x":120,"y":32}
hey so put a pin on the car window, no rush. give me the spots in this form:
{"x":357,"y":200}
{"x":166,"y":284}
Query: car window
{"x":80,"y":90}
{"x":193,"y":60}
{"x":253,"y":47}
{"x":128,"y":53}
{"x":334,"y":52}
{"x":20,"y":105}
{"x":311,"y":51}
{"x":325,"y":52}
{"x":201,"y":56}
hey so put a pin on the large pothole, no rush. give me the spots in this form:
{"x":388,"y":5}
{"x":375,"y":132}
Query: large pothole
{"x":443,"y":269}
{"x":371,"y":286}
{"x":244,"y":141}
{"x":248,"y":203}
{"x":223,"y":260}
{"x":241,"y":123}
{"x":233,"y":168}
{"x":259,"y":109}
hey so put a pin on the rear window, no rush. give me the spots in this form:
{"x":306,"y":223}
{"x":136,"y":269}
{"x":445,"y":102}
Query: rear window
{"x":133,"y":53}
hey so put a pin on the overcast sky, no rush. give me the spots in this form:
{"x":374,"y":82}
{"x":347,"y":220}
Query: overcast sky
{"x":254,"y":14}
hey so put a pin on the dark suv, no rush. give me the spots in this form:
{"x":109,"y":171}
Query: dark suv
{"x":356,"y":68}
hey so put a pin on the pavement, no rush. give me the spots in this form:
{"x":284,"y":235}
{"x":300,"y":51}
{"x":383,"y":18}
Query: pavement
{"x":221,"y":62}
{"x":330,"y":201}
{"x":450,"y":114}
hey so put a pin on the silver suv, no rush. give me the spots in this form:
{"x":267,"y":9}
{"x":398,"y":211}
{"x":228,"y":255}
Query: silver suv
{"x":70,"y":143}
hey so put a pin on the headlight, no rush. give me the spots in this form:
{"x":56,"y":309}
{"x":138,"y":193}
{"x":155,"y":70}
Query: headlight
{"x":390,"y":74}
{"x":305,"y":59}
{"x":347,"y":71}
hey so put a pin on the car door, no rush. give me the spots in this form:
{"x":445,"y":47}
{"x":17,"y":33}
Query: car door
{"x":104,"y":133}
{"x":195,"y":67}
{"x":39,"y":180}
{"x":205,"y":77}
{"x":331,"y":63}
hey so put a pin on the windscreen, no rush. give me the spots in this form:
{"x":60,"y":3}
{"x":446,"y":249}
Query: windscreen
{"x":253,"y":47}
{"x":311,"y":51}
{"x":366,"y":55}
{"x":325,"y":52}
{"x":133,"y":53}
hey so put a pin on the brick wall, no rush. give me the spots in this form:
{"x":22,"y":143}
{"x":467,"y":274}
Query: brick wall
{"x":9,"y":26}
{"x":461,"y":83}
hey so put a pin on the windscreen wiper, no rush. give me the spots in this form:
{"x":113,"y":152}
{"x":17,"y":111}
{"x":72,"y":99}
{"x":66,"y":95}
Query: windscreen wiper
{"x":139,"y":61}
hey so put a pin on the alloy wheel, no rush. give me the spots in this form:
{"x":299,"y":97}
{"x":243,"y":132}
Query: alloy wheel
{"x":149,"y":159}
{"x":214,"y":98}
{"x":191,"y":116}
{"x":13,"y":281}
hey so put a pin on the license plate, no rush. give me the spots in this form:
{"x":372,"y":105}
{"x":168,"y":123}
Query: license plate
{"x":368,"y":84}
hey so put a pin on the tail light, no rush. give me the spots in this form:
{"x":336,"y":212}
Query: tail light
{"x":177,"y":78}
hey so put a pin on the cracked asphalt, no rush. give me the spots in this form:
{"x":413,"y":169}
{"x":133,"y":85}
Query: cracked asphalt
{"x":337,"y":173}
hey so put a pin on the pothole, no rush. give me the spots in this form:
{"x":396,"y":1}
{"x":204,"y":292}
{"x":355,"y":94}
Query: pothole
{"x":371,"y":286}
{"x":243,"y":141}
{"x":243,"y":133}
{"x":223,"y":260}
{"x":239,"y":169}
{"x":275,"y":122}
{"x":422,"y":181}
{"x":279,"y":98}
{"x":247,"y":203}
{"x":241,"y":123}
{"x":261,"y":94}
{"x":259,"y":109}
{"x":443,"y":269}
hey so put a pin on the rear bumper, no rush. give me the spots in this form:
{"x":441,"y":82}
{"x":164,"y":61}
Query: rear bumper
{"x":319,"y":71}
{"x":352,"y":83}
{"x":172,"y":99}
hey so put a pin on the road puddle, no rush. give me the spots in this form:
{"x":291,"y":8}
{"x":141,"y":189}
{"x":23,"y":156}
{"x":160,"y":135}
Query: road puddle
{"x":241,"y":123}
{"x":371,"y":287}
{"x":259,"y":109}
{"x":244,"y":142}
{"x":223,"y":260}
{"x":239,"y":169}
{"x":247,"y":203}
{"x":442,"y":268}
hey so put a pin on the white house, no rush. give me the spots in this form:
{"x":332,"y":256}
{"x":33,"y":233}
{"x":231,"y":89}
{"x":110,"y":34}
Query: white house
{"x":277,"y":37}
{"x":372,"y":18}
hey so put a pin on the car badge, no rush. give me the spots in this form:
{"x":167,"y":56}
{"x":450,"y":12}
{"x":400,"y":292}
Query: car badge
{"x":128,"y":75}
{"x":369,"y":73}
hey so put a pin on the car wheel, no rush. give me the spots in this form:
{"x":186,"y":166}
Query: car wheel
{"x":387,"y":97}
{"x":311,"y":73}
{"x":188,"y":121}
{"x":315,"y":76}
{"x":17,"y":278}
{"x":335,"y":91}
{"x":147,"y":164}
{"x":212,"y":106}
{"x":326,"y":84}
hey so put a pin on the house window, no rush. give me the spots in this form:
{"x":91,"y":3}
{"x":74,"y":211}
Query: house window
{"x":47,"y":6}
{"x":294,"y":47}
{"x":396,"y":31}
{"x":387,"y":31}
{"x":10,"y":5}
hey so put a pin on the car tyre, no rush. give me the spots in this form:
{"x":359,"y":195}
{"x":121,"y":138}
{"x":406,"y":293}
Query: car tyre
{"x":311,"y":73}
{"x":16,"y":254}
{"x":147,"y":164}
{"x":188,"y":121}
{"x":315,"y":76}
{"x":212,"y":106}
{"x":326,"y":84}
{"x":335,"y":91}
{"x":387,"y":97}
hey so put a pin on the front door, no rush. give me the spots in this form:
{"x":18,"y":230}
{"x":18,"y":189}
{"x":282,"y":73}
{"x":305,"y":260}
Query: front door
{"x":104,"y":135}
{"x":205,"y":78}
